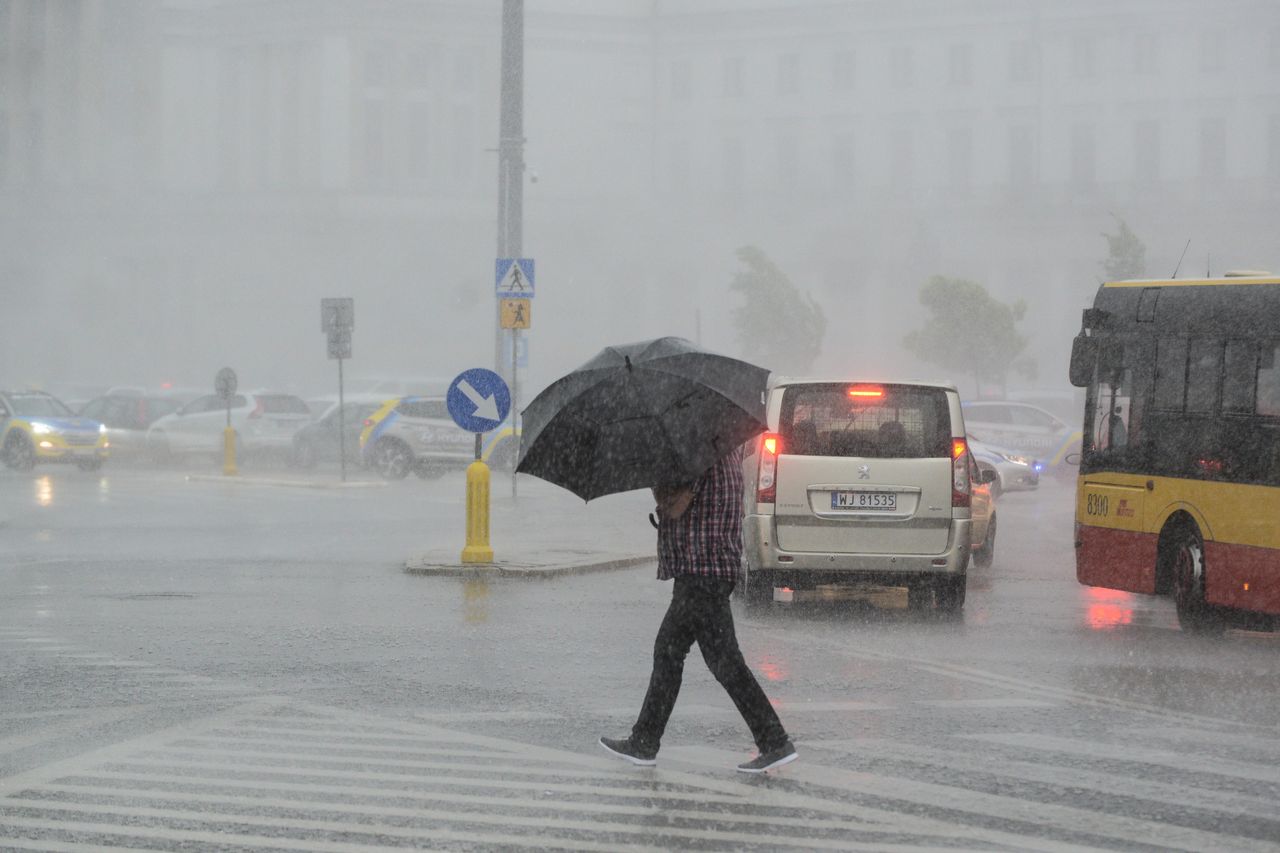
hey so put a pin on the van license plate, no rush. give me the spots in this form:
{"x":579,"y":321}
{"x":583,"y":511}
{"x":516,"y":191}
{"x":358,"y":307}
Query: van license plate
{"x":879,"y":501}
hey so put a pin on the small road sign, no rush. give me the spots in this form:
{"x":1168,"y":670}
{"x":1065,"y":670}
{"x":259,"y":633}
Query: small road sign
{"x":337,"y":313}
{"x":513,"y":278}
{"x":478,"y":399}
{"x":522,"y":350}
{"x":224,"y":384}
{"x":515,"y":313}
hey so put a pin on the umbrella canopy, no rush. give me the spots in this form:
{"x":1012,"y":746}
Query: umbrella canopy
{"x":653,"y":413}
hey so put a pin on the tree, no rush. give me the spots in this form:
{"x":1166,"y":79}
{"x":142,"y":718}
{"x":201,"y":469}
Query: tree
{"x":1126,"y":254}
{"x":779,"y":326}
{"x":969,"y":330}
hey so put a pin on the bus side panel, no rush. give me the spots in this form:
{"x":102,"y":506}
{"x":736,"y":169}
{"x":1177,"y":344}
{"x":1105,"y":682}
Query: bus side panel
{"x":1229,"y":569}
{"x":1116,"y":559}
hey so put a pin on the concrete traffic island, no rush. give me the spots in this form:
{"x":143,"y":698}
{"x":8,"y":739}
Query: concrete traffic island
{"x":542,"y":564}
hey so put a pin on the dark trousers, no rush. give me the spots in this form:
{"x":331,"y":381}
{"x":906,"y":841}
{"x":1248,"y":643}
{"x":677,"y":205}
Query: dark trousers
{"x":700,"y":612}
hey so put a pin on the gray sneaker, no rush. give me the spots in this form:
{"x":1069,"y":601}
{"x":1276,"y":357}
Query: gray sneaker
{"x":784,"y":754}
{"x":626,"y":748}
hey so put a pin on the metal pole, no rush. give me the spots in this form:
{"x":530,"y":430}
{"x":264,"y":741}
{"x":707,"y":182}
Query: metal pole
{"x":342,"y":426}
{"x":510,"y":149}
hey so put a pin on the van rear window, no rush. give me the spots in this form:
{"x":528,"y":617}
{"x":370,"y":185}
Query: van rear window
{"x":907,"y":422}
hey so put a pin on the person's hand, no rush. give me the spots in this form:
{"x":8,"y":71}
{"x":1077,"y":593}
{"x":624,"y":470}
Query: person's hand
{"x":672,"y":500}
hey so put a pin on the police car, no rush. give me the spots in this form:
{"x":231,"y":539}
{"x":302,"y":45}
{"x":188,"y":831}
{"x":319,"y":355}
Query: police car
{"x":38,"y":427}
{"x":417,"y":434}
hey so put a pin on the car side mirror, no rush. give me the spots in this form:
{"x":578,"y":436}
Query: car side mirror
{"x":988,"y":476}
{"x":1072,"y":458}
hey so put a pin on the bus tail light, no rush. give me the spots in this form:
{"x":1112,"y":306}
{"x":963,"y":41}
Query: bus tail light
{"x":961,"y":487}
{"x":767,"y":477}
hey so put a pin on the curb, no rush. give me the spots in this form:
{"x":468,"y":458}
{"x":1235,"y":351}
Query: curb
{"x":432,"y":565}
{"x":297,"y":484}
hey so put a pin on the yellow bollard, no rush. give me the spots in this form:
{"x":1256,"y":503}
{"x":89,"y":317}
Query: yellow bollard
{"x":229,"y":453}
{"x":477,"y":549}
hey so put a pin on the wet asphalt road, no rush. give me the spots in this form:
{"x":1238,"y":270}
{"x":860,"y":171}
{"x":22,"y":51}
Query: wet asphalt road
{"x":208,"y":665}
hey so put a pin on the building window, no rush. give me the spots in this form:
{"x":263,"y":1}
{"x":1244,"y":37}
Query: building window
{"x":843,"y":161}
{"x":1021,"y":62}
{"x":788,"y":162}
{"x":788,"y":74}
{"x":902,"y":157}
{"x":1274,"y":146}
{"x":1144,"y":53}
{"x":844,"y":70}
{"x":960,"y":64}
{"x":1213,"y":148}
{"x":960,"y":158}
{"x":1084,"y":56}
{"x":731,"y":165}
{"x":902,"y":67}
{"x":1022,"y":155}
{"x":681,"y":77}
{"x":1146,"y":151}
{"x":733,"y":85}
{"x":1084,"y":155}
{"x":1213,"y":50}
{"x":420,"y":153}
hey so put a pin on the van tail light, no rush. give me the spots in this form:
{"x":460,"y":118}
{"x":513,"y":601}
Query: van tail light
{"x":257,"y":410}
{"x":961,"y":487}
{"x":767,"y":479}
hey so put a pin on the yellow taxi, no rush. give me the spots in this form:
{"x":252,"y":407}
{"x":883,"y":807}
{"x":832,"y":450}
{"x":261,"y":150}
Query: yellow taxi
{"x":418,"y":434}
{"x":38,"y":427}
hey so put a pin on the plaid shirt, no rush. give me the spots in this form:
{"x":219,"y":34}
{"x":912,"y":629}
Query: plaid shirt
{"x":707,"y":539}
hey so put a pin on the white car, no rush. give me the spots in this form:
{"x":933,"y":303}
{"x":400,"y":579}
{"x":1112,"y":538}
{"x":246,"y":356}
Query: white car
{"x":264,"y":421}
{"x":1023,"y":428}
{"x":864,"y":482}
{"x":1014,"y":471}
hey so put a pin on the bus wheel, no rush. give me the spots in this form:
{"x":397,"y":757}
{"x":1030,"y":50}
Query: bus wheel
{"x":1195,"y":615}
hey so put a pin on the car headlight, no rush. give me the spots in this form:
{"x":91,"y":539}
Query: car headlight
{"x":1016,"y":460}
{"x":41,"y":429}
{"x":102,"y":429}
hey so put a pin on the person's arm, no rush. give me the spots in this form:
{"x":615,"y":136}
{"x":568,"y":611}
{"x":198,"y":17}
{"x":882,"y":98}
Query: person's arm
{"x":673,"y":501}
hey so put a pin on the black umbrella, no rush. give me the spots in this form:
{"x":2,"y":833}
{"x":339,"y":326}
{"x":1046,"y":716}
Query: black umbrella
{"x":653,"y":413}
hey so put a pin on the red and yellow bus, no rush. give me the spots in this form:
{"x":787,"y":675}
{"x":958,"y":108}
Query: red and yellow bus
{"x":1179,"y":485}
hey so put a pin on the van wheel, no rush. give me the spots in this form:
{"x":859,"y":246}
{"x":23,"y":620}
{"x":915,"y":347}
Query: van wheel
{"x":757,"y":588}
{"x":985,"y":553}
{"x":948,"y":594}
{"x":1195,"y":615}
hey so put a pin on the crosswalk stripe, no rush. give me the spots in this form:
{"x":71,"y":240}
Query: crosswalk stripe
{"x":1058,"y":775}
{"x":215,"y":839}
{"x":1267,"y":749}
{"x":249,"y":732}
{"x":421,"y":805}
{"x":1199,"y":764}
{"x":323,"y":748}
{"x":436,"y":817}
{"x":1059,"y":818}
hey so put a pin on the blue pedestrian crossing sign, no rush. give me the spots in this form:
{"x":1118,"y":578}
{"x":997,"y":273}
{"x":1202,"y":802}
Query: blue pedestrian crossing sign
{"x":513,"y":278}
{"x":478,"y":400}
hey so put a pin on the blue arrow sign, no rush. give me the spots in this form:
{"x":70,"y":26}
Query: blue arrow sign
{"x":478,"y":400}
{"x":513,"y":278}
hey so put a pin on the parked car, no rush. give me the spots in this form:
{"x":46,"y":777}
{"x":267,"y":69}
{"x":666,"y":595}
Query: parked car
{"x":38,"y":427}
{"x":128,"y":415}
{"x":864,"y":482}
{"x":1013,"y":470}
{"x":318,"y":441}
{"x":264,"y":422}
{"x":417,"y":434}
{"x":1026,"y":429}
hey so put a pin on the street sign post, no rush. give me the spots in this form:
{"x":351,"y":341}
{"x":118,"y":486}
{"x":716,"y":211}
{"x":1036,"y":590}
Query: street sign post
{"x":478,"y":401}
{"x":224,"y":385}
{"x":514,"y":285}
{"x":337,"y":320}
{"x":513,"y":278}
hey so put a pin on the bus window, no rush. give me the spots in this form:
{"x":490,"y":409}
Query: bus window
{"x":1112,"y":412}
{"x":1203,"y":374}
{"x":1268,"y":383}
{"x":1239,"y":370}
{"x":1171,"y":373}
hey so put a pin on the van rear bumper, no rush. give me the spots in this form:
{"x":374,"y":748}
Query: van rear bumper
{"x":802,"y":568}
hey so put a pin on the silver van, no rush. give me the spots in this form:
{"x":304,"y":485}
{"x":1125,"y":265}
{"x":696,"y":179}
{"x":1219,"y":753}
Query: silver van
{"x":860,"y":481}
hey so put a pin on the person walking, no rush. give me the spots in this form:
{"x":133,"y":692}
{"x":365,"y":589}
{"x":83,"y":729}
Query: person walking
{"x":700,"y":550}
